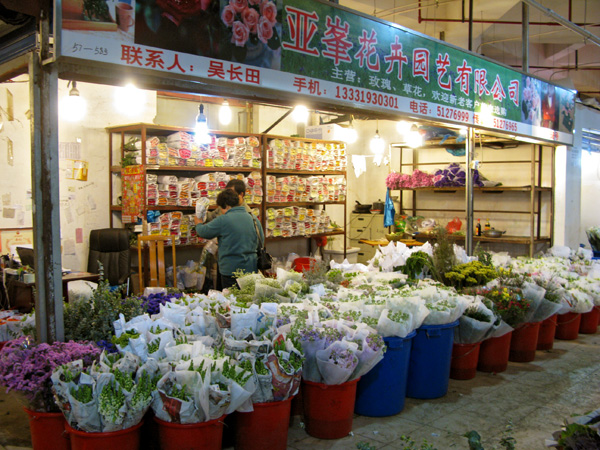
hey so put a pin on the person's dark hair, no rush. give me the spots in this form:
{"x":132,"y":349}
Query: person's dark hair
{"x":237,"y":185}
{"x":227,"y":197}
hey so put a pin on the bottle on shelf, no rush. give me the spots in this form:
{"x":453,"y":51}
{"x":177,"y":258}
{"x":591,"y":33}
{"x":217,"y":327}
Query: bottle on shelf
{"x":487,"y":225}
{"x":478,"y":228}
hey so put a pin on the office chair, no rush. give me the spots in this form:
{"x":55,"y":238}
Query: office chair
{"x":110,"y":247}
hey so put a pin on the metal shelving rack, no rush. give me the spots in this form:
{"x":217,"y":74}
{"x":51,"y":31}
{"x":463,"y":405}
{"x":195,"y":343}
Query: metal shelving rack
{"x":538,"y":194}
{"x":145,"y":130}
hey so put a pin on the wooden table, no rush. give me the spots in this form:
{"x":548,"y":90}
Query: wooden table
{"x":74,"y":276}
{"x":21,"y":294}
{"x":384,"y":242}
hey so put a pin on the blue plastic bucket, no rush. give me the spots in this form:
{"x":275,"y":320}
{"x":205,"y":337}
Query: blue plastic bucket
{"x":430,"y":359}
{"x":382,"y":390}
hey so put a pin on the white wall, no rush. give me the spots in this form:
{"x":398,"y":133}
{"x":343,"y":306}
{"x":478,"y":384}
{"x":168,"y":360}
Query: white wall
{"x":15,"y":182}
{"x":588,"y":118}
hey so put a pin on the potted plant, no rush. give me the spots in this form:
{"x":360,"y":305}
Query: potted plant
{"x":26,"y":368}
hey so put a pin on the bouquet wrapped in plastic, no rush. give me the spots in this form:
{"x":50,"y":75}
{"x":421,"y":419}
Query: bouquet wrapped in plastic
{"x":111,"y":395}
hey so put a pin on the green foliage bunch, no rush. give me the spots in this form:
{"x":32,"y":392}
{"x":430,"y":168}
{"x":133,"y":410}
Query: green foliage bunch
{"x":579,"y":437}
{"x":474,"y":273}
{"x":415,"y":264}
{"x":93,"y":320}
{"x":443,"y":258}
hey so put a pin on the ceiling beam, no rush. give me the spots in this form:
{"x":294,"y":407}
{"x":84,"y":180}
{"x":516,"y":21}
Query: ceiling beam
{"x":564,"y":22}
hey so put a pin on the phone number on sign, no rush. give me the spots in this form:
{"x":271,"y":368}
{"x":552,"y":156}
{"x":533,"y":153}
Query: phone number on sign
{"x":367,"y":97}
{"x":453,"y":114}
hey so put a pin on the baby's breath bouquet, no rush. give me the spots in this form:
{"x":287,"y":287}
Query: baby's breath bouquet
{"x":111,"y":395}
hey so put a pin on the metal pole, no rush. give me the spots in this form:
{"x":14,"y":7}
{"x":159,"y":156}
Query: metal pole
{"x":470,"y":25}
{"x":469,"y":191}
{"x":45,"y":182}
{"x":525,"y":35}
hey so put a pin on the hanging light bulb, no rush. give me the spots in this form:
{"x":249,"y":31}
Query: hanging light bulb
{"x":129,"y":100}
{"x":377,"y":144}
{"x":225,"y":113}
{"x":201,"y":130}
{"x":413,"y":137}
{"x":73,"y":107}
{"x":403,"y":127}
{"x":300,"y":113}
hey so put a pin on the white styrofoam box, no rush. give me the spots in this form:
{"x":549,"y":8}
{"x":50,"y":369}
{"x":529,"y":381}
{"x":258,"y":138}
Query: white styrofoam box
{"x":331,"y":132}
{"x":338,"y":255}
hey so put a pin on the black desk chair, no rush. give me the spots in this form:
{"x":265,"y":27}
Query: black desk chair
{"x":110,"y":247}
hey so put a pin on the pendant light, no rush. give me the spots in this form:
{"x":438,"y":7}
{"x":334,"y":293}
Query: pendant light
{"x":73,"y":107}
{"x":377,"y":144}
{"x":413,"y":137}
{"x":201,"y":136}
{"x":225,"y":113}
{"x":300,"y":113}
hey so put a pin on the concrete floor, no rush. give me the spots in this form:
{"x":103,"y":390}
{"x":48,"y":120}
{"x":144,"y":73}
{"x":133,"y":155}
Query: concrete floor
{"x":537,"y":397}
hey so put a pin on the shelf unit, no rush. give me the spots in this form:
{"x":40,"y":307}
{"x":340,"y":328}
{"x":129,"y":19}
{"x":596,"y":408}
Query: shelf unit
{"x":535,"y":194}
{"x":267,"y":170}
{"x":118,"y":136}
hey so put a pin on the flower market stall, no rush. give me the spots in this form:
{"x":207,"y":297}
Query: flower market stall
{"x":184,"y":362}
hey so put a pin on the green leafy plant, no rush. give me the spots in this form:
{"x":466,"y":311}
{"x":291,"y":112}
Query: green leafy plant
{"x":506,"y":440}
{"x":443,"y":258}
{"x":473,"y":313}
{"x":579,"y":437}
{"x":416,"y":263}
{"x":93,"y":320}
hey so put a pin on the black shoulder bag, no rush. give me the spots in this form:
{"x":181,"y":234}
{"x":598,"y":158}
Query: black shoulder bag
{"x":264,"y":261}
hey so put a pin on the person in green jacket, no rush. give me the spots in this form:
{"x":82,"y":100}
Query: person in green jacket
{"x":237,"y":237}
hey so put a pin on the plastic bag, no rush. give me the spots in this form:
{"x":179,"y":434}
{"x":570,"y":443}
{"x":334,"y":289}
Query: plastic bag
{"x":454,"y":225}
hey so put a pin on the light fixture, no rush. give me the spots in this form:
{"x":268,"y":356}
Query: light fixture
{"x":201,"y":130}
{"x":225,"y":113}
{"x":73,"y":107}
{"x":129,"y":100}
{"x":377,"y":144}
{"x":413,"y":138}
{"x":403,"y":127}
{"x":300,"y":113}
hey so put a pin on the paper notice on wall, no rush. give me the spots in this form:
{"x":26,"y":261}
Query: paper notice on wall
{"x":79,"y":235}
{"x":8,"y":213}
{"x":68,"y":246}
{"x":66,"y":212}
{"x":6,"y":199}
{"x":69,"y":150}
{"x":91,"y":202}
{"x":80,"y":210}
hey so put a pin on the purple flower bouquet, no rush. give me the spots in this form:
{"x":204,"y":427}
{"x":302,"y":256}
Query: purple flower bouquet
{"x":26,"y":368}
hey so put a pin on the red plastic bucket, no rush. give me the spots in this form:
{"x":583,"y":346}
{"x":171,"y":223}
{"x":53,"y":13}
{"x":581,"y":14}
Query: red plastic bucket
{"x":303,"y":264}
{"x":546,"y":333}
{"x":328,"y":409}
{"x":264,"y":428}
{"x":589,"y":321}
{"x":191,"y":436}
{"x":48,"y":430}
{"x":567,"y":326}
{"x":128,"y":439}
{"x":523,"y":343}
{"x":464,"y":361}
{"x":493,"y":354}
